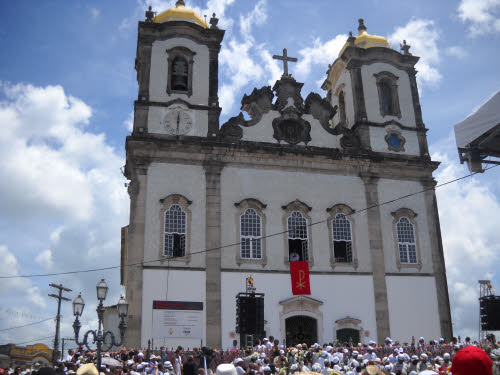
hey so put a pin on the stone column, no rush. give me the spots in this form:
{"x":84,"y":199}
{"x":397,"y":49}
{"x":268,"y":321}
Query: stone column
{"x":137,"y":192}
{"x":213,"y":257}
{"x":377,"y":257}
{"x":437,"y":254}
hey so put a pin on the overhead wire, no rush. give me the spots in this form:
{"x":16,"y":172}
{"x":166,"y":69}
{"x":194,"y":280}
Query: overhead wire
{"x":238,"y":243}
{"x":26,"y":325}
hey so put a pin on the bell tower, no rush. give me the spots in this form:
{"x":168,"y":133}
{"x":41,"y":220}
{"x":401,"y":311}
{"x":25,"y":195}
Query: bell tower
{"x":177,"y":73}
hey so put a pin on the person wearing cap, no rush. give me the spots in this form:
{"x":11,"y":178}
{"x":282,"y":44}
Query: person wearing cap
{"x":446,"y":363}
{"x":413,"y":365}
{"x":168,"y":368}
{"x":423,"y":364}
{"x":370,"y":354}
{"x":238,"y":364}
{"x":400,"y":365}
{"x":393,"y":358}
{"x":226,"y":369}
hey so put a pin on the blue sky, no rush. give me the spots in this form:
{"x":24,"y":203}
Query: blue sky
{"x":67,"y":85}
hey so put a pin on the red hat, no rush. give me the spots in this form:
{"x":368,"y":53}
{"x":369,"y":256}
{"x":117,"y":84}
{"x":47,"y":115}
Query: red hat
{"x":472,"y":360}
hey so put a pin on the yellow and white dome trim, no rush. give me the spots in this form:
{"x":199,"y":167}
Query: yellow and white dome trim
{"x":365,"y":40}
{"x":180,"y":13}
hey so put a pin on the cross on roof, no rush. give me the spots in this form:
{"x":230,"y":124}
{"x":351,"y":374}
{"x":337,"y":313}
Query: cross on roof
{"x":285,"y":60}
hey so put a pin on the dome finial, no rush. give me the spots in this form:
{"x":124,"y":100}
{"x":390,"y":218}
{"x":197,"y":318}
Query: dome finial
{"x":179,"y":3}
{"x":361,"y":26}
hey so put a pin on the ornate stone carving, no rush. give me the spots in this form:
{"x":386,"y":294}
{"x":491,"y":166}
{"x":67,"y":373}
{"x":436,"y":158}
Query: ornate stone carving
{"x":321,"y":110}
{"x":291,"y":128}
{"x":350,"y":140}
{"x":231,"y":130}
{"x":260,"y":101}
{"x":288,"y":88}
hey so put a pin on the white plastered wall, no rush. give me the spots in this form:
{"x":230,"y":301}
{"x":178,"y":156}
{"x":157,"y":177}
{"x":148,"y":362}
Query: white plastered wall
{"x":345,"y":81}
{"x":263,"y":132}
{"x":159,"y":71}
{"x":171,"y":285}
{"x":413,"y":307}
{"x":276,"y":188}
{"x":372,"y":97}
{"x":156,"y":122}
{"x":167,"y":179}
{"x":342,"y":296}
{"x":388,"y":190}
{"x":379,"y":144}
{"x":158,"y":85}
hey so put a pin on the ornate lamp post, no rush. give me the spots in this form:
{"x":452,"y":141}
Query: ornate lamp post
{"x":99,"y":337}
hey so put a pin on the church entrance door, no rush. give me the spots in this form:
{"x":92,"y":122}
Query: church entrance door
{"x":301,"y":329}
{"x":348,"y":335}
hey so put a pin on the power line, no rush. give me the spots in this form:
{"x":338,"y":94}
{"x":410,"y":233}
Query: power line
{"x":26,"y":325}
{"x":34,"y":340}
{"x":238,"y":243}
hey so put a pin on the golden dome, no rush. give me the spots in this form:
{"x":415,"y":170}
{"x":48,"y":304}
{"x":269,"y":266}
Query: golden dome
{"x":180,"y":13}
{"x":365,"y":40}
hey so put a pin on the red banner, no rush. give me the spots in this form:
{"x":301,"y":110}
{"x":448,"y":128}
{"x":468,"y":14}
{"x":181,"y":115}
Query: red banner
{"x":299,"y":271}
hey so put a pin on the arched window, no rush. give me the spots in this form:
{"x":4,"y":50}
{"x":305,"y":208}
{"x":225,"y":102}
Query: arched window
{"x":386,"y":100}
{"x":342,"y":239}
{"x":298,"y":244}
{"x":251,"y":235}
{"x":179,"y":77}
{"x":388,"y":94}
{"x":406,"y":241}
{"x":175,"y":232}
{"x":342,"y":115}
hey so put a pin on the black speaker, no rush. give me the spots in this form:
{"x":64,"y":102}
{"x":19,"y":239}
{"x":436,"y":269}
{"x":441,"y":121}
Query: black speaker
{"x":249,"y":314}
{"x":490,"y":313}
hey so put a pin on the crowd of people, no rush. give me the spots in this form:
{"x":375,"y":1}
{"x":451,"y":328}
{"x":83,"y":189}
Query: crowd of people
{"x":270,"y":358}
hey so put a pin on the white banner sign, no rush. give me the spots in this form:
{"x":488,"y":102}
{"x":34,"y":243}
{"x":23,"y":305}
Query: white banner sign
{"x":178,"y":319}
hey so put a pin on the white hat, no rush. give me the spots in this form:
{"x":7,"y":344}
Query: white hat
{"x":324,"y":353}
{"x":138,"y":367}
{"x":355,"y":353}
{"x":413,"y":373}
{"x":421,"y":339}
{"x":336,"y":360}
{"x":372,"y":343}
{"x":401,"y":350}
{"x":226,"y":369}
{"x":130,"y":362}
{"x":446,"y":356}
{"x":441,"y":340}
{"x":316,"y":345}
{"x":265,"y":339}
{"x":316,"y":367}
{"x":423,"y":356}
{"x":237,"y":360}
{"x":329,"y":348}
{"x":413,"y":357}
{"x":359,"y":357}
{"x":388,"y":367}
{"x":369,"y":348}
{"x":262,"y":355}
{"x":401,"y":357}
{"x":294,"y":367}
{"x":152,"y":356}
{"x":388,"y":339}
{"x":266,"y":369}
{"x":140,"y":354}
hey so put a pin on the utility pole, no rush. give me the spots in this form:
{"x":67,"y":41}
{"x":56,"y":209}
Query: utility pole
{"x":62,"y":346}
{"x":59,"y":298}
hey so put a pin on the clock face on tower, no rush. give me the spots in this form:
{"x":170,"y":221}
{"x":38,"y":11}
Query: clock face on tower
{"x":178,"y":121}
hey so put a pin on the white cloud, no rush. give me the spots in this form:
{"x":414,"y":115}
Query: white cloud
{"x":240,"y":68}
{"x":483,"y":16}
{"x":45,"y":259}
{"x":456,"y":51}
{"x":59,"y":171}
{"x":471,"y":242}
{"x":94,"y":13}
{"x":129,"y":122}
{"x":320,"y":54}
{"x":272,"y":66}
{"x":258,"y":16}
{"x":422,"y":35}
{"x":9,"y":266}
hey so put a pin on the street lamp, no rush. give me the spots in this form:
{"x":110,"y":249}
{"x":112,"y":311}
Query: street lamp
{"x":99,"y":337}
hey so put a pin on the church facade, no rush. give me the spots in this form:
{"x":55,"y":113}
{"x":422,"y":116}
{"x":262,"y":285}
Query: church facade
{"x":300,"y":177}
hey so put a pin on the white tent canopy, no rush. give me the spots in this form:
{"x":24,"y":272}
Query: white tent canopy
{"x":478,"y":136}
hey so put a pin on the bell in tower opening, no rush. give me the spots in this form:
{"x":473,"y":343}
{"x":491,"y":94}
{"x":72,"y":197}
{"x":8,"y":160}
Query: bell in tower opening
{"x":179,"y":74}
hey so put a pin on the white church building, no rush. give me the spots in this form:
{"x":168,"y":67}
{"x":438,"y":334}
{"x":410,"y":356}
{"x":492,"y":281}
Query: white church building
{"x":301,"y":176}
